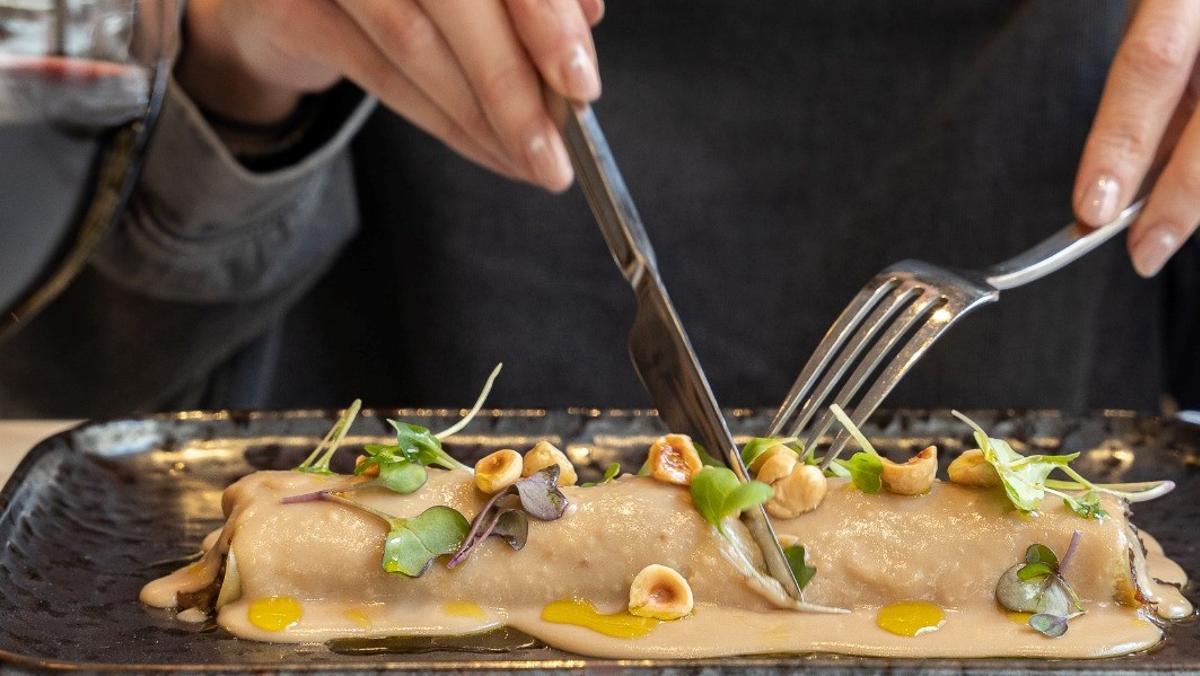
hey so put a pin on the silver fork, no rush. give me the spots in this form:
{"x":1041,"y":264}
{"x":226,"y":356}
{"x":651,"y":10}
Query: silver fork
{"x":899,"y":314}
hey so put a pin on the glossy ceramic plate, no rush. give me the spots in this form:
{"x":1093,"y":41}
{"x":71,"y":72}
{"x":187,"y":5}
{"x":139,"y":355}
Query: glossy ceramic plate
{"x":93,"y":513}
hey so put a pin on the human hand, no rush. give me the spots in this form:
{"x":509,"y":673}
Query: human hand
{"x":468,"y":72}
{"x":1147,"y":116}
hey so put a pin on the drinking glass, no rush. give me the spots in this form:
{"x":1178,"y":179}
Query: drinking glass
{"x":81,"y":82}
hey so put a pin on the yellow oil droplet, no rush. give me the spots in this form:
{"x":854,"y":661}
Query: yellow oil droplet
{"x":584,"y":614}
{"x":910,"y":618}
{"x":274,"y":613}
{"x":463,"y":609}
{"x":357,"y":616}
{"x":1019,"y":618}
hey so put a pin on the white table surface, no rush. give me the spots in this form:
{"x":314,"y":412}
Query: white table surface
{"x":18,"y":436}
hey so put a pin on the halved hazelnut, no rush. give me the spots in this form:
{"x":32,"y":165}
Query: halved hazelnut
{"x":913,"y":477}
{"x":497,"y":471}
{"x":673,"y":459}
{"x":972,"y":469}
{"x":660,"y":592}
{"x":542,"y":455}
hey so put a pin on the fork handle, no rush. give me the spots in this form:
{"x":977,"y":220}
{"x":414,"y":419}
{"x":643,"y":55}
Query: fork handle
{"x":1055,"y":252}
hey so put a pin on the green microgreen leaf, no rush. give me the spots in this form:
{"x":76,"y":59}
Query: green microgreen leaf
{"x":610,"y":473}
{"x":418,"y":444}
{"x":1032,"y":571}
{"x":1037,"y":553}
{"x":1026,"y":478}
{"x":1086,"y":505}
{"x":402,"y":477}
{"x":318,"y":461}
{"x":706,"y":459}
{"x":418,"y":447}
{"x":413,"y":544}
{"x":865,"y":471}
{"x":759,"y":445}
{"x":644,"y":470}
{"x":717,"y":494}
{"x":795,"y":557}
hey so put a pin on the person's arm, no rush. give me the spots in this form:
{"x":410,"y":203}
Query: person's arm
{"x":209,"y":255}
{"x":1147,"y":116}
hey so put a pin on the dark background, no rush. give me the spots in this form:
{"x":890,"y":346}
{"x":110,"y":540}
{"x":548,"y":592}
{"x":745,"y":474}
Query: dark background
{"x":780,"y":153}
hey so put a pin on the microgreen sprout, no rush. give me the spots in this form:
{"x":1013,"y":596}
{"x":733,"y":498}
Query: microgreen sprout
{"x":401,"y":465}
{"x":317,"y":462}
{"x":1036,"y":585}
{"x":411,"y":544}
{"x":483,"y":394}
{"x":719,"y":497}
{"x":537,"y":496}
{"x":864,"y":468}
{"x":417,"y":445}
{"x":795,"y":557}
{"x":1026,"y":478}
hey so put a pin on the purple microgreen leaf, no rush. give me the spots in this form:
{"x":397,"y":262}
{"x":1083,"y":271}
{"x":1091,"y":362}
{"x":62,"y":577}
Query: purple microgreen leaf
{"x":304,"y":497}
{"x":513,"y":528}
{"x":540,"y":497}
{"x":319,"y":495}
{"x":481,"y":526}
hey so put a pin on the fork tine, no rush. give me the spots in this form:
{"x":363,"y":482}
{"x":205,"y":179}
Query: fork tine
{"x":850,"y":318}
{"x":905,"y":359}
{"x":879,"y":319}
{"x":914,"y":314}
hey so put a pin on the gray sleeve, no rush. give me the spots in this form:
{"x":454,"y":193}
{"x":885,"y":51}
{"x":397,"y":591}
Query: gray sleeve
{"x":202,"y":228}
{"x":207,"y":259}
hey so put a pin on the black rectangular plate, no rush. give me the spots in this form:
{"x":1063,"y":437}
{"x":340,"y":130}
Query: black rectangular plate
{"x":93,"y":513}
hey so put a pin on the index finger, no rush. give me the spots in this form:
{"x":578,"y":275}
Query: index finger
{"x":485,"y":43}
{"x":1144,"y":87}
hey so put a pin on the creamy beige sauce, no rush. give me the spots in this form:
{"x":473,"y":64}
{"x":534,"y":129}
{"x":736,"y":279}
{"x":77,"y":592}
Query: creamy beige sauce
{"x":947,"y":548}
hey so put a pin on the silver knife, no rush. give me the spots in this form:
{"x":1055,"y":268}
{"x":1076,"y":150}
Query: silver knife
{"x":661,"y":351}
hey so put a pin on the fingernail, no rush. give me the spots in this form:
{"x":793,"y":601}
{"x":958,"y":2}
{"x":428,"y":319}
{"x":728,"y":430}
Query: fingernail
{"x":550,"y":163}
{"x":1099,"y":205}
{"x":583,"y":81}
{"x":1152,"y":251}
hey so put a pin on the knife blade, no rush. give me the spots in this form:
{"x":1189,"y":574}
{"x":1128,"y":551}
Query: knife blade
{"x":659,"y":346}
